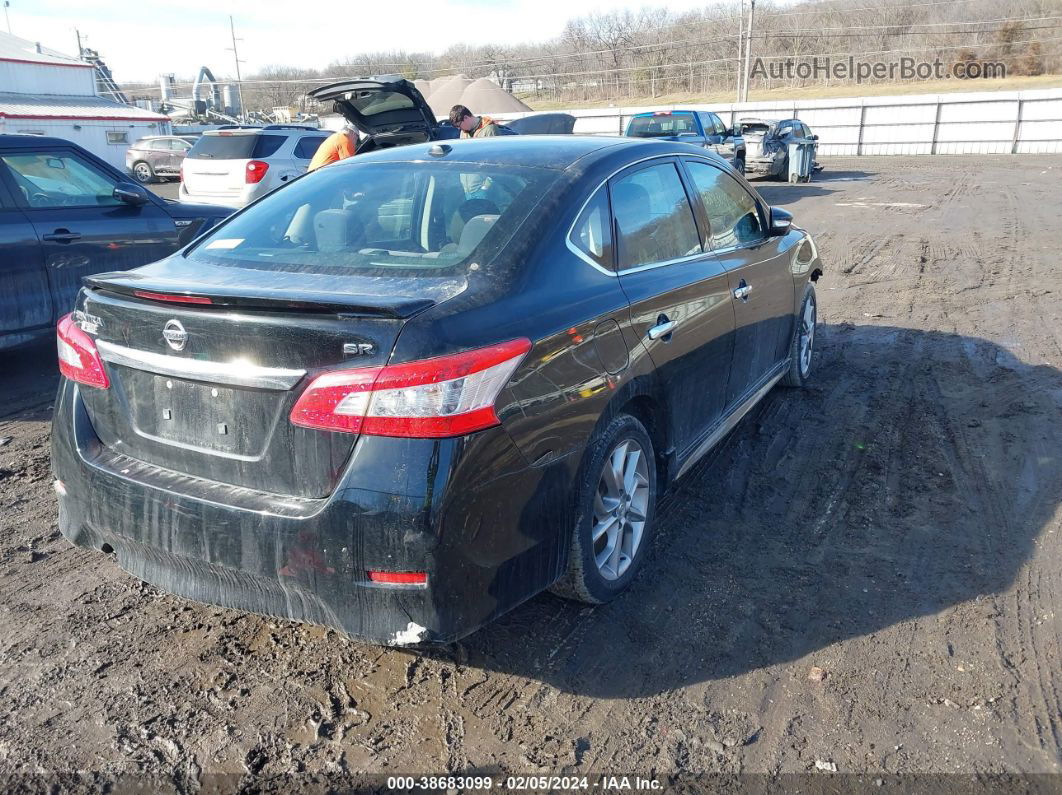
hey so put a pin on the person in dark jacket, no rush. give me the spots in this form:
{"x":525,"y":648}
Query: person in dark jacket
{"x":472,"y":126}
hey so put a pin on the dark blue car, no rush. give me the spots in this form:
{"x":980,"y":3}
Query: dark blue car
{"x":66,"y":214}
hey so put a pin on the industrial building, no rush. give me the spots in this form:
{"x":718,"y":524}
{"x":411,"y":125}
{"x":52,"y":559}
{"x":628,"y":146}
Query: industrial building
{"x":49,"y":93}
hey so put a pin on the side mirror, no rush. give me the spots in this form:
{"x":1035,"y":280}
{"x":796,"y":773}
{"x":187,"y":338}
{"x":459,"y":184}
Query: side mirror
{"x":814,"y":138}
{"x":781,"y":221}
{"x":133,"y":195}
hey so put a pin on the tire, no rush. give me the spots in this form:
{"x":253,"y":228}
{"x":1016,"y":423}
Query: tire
{"x":801,"y":358}
{"x":595,"y":575}
{"x":739,"y":165}
{"x":143,"y":172}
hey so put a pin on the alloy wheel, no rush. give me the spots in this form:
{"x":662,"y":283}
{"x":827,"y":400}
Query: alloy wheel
{"x":807,"y":335}
{"x":142,"y":171}
{"x":621,"y":506}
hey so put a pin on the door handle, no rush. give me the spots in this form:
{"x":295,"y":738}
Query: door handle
{"x":742,"y":291}
{"x":662,"y":329}
{"x":62,"y":236}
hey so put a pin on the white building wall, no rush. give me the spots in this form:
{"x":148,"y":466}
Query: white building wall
{"x":92,"y":135}
{"x":31,"y":78}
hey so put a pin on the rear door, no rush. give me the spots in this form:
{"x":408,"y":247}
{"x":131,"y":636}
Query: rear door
{"x":25,"y":301}
{"x":68,"y":198}
{"x":305,"y":148}
{"x":680,"y":305}
{"x":761,"y":284}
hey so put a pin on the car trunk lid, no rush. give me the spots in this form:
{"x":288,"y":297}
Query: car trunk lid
{"x":389,"y":110}
{"x":217,"y":164}
{"x":206,"y":389}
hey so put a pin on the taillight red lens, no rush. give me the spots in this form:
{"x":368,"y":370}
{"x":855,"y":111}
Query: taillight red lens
{"x":172,"y":299}
{"x":446,"y":396}
{"x":256,"y":169}
{"x":399,"y":577}
{"x":78,"y":358}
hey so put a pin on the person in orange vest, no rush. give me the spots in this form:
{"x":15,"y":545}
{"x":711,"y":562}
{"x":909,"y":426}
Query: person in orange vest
{"x":337,"y":146}
{"x":472,"y":126}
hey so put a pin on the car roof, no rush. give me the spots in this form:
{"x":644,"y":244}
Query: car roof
{"x":665,"y":112}
{"x":536,"y":151}
{"x":29,"y":141}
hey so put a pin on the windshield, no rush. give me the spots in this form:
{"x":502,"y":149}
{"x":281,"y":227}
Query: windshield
{"x":385,"y":217}
{"x":661,"y":124}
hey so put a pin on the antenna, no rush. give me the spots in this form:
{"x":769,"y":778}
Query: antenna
{"x":236,"y":58}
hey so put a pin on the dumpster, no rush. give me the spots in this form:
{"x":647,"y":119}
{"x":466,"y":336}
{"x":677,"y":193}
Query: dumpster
{"x":801,"y":159}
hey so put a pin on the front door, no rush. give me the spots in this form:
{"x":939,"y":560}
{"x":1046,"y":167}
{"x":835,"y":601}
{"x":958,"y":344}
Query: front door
{"x":25,"y":302}
{"x":680,"y":300}
{"x":82,"y":228}
{"x":760,"y":280}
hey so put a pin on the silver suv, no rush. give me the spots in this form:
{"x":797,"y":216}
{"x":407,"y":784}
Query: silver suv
{"x":233,"y":167}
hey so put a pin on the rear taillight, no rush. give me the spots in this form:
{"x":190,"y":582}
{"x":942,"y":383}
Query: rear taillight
{"x":78,"y":358}
{"x":446,"y":396}
{"x":172,"y":298}
{"x":399,"y":577}
{"x":256,"y":169}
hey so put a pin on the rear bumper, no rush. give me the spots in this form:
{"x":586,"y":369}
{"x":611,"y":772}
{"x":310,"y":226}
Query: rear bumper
{"x":227,"y":199}
{"x":763,"y":165}
{"x":486,"y":542}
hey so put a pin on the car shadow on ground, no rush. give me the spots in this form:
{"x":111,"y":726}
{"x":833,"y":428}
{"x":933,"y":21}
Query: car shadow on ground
{"x":914,"y":475}
{"x":777,"y":194}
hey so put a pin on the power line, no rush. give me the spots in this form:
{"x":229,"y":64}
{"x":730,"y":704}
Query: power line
{"x":316,"y":81}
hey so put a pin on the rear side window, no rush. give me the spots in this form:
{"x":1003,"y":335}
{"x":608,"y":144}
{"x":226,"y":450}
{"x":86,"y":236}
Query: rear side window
{"x":592,"y":232}
{"x":386,"y":218}
{"x":661,"y":124}
{"x":242,"y":146}
{"x":732,"y":213}
{"x":306,"y":148}
{"x":654,"y":220}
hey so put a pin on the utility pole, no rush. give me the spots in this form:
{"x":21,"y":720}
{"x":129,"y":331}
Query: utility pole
{"x":236,"y":57}
{"x":748,"y":53}
{"x":80,"y":50}
{"x":740,"y":43}
{"x":7,"y":5}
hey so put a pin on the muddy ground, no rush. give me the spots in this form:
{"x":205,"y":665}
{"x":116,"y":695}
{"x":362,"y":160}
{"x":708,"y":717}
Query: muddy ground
{"x":896,"y":526}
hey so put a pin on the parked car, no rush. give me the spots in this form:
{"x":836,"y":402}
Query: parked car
{"x":544,"y":124}
{"x":699,"y":128}
{"x":158,"y":157}
{"x":233,"y":167}
{"x":66,"y":214}
{"x":767,"y":143}
{"x":404,"y":410}
{"x":388,"y":111}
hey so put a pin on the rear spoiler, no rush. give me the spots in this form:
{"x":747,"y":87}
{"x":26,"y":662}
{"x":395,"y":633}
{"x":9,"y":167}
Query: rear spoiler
{"x":250,"y":298}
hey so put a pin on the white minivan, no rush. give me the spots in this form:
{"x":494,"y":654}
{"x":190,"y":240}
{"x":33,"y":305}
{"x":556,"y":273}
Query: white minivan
{"x":233,"y":167}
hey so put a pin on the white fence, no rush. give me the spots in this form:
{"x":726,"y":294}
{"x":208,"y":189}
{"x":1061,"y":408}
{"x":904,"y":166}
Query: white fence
{"x":989,"y":122}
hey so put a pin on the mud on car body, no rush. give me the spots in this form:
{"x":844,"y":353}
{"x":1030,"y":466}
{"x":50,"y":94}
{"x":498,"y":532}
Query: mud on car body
{"x":408,"y":392}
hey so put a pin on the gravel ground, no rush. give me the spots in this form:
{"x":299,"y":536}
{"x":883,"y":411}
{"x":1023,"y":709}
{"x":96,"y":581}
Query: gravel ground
{"x":864,"y":577}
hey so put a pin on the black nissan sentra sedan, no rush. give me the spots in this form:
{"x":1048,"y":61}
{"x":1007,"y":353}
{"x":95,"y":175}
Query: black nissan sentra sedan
{"x":409,"y":391}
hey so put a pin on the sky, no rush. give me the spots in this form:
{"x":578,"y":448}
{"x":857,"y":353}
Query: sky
{"x":141,"y":39}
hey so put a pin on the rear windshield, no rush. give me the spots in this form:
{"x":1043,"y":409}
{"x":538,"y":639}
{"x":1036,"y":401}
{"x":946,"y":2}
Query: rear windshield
{"x":370,"y":103}
{"x":386,"y":217}
{"x":661,"y":124}
{"x":241,"y":146}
